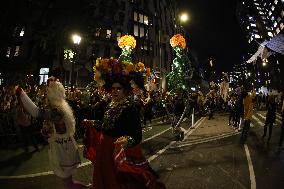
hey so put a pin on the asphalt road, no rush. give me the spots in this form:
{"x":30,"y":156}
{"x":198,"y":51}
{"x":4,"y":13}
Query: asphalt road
{"x":210,"y":156}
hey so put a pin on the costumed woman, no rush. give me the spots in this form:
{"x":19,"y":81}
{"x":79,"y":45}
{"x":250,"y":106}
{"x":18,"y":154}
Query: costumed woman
{"x":59,"y":128}
{"x":113,"y":142}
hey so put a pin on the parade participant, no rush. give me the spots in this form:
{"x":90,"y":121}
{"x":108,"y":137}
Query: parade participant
{"x":178,"y":108}
{"x":270,"y":117}
{"x":232,"y":109}
{"x":59,"y":128}
{"x":248,"y":108}
{"x":113,"y":142}
{"x":24,"y":121}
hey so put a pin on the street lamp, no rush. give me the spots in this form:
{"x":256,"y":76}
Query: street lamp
{"x":76,"y":40}
{"x":184,"y":17}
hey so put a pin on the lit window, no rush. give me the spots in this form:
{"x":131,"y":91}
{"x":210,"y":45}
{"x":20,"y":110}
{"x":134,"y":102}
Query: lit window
{"x":141,"y":32}
{"x":257,"y":36}
{"x":108,"y":35}
{"x":276,"y":1}
{"x":253,"y":25}
{"x":118,"y":35}
{"x":248,"y":27}
{"x":272,"y":18}
{"x":98,"y":31}
{"x":8,"y":52}
{"x":22,"y":32}
{"x":270,"y":34}
{"x":17,"y":51}
{"x":146,"y":22}
{"x":270,"y":13}
{"x":275,"y":24}
{"x":136,"y":33}
{"x":141,"y":18}
{"x":277,"y":30}
{"x":258,"y":8}
{"x":260,"y":12}
{"x":135,"y":16}
{"x":272,"y":8}
{"x":281,"y":26}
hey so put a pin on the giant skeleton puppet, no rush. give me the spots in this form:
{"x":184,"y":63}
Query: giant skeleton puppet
{"x":59,"y":128}
{"x":179,"y":79}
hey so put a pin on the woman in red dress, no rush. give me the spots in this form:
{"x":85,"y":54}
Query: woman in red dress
{"x":113,"y":143}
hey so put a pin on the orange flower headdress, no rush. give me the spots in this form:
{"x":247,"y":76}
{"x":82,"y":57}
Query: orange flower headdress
{"x":110,"y":70}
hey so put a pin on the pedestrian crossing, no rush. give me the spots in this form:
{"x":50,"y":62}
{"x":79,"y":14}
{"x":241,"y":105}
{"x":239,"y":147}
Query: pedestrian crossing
{"x":278,"y":120}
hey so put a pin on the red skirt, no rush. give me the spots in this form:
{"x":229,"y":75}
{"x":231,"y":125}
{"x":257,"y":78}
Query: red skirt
{"x":128,"y":170}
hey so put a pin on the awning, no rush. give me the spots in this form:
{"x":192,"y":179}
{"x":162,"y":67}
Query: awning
{"x":275,"y":44}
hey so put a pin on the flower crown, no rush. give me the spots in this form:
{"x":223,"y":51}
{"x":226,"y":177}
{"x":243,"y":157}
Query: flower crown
{"x":106,"y":69}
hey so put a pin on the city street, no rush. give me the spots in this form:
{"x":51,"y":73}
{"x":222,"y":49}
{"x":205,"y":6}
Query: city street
{"x":210,"y":156}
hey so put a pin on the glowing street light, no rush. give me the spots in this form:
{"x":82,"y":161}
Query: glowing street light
{"x":184,"y":17}
{"x":76,"y":39}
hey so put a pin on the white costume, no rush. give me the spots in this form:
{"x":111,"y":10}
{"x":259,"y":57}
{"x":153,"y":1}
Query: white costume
{"x":60,"y":123}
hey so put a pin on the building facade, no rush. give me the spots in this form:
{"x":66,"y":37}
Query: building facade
{"x":262,"y":20}
{"x":36,"y":36}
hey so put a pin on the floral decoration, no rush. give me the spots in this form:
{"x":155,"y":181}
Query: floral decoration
{"x":178,"y":40}
{"x":127,"y":41}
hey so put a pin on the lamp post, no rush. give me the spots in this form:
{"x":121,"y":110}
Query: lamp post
{"x":76,"y":40}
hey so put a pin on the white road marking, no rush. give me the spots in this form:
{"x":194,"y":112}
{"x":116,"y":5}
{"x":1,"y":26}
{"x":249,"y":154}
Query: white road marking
{"x":81,"y":165}
{"x":196,"y":125}
{"x":277,"y":120}
{"x":210,"y":139}
{"x":156,"y":135}
{"x":251,"y":170}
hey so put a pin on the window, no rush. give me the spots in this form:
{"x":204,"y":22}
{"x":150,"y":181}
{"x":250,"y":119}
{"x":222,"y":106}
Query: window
{"x":281,"y":26}
{"x":272,"y":8}
{"x":108,"y":34}
{"x":118,"y":35}
{"x":270,"y":13}
{"x":8,"y":52}
{"x":275,"y":24}
{"x":257,"y":36}
{"x":22,"y":32}
{"x":141,"y":18}
{"x":135,"y":17}
{"x":272,"y":18}
{"x":98,"y":31}
{"x":17,"y":51}
{"x":253,"y":25}
{"x":136,"y":30}
{"x":43,"y":75}
{"x":270,"y":34}
{"x":146,"y":22}
{"x":141,"y":32}
{"x":276,"y":1}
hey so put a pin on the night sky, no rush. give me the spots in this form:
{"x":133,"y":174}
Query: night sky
{"x":215,"y":32}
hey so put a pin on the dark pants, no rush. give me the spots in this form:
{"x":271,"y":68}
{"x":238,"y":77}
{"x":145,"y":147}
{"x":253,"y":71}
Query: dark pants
{"x":245,"y":131}
{"x":270,"y":125}
{"x":210,"y":113}
{"x":231,"y":117}
{"x":28,"y":137}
